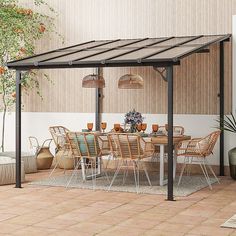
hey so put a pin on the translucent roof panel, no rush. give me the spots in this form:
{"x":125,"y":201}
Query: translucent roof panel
{"x":85,"y":46}
{"x":106,"y":55}
{"x":204,"y":40}
{"x":146,"y":42}
{"x":138,"y":54}
{"x":174,"y":41}
{"x":74,"y":56}
{"x":119,"y":43}
{"x":172,"y":53}
{"x":124,"y":52}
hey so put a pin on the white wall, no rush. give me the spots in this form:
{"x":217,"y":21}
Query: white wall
{"x":37,"y":124}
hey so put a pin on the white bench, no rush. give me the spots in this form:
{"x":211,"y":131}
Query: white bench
{"x":8,"y":170}
{"x":29,"y":160}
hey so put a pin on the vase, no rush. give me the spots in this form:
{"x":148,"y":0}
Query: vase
{"x":232,"y":163}
{"x":133,"y":128}
{"x":44,"y":158}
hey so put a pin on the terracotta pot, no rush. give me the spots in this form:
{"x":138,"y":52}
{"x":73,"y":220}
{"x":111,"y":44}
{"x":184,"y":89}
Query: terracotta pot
{"x":44,"y":158}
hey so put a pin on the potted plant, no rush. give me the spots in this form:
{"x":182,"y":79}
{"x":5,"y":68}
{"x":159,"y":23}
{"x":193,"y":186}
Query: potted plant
{"x":20,"y":29}
{"x":229,"y":124}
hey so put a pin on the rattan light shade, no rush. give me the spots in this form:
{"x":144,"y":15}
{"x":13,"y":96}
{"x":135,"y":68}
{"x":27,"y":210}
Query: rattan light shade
{"x":93,"y":81}
{"x":130,"y":81}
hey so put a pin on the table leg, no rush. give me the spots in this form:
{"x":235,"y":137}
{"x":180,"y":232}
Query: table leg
{"x":83,"y":161}
{"x":162,"y":165}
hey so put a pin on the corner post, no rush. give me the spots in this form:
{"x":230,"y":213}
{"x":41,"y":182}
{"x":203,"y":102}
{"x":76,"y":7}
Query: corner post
{"x":98,"y":104}
{"x":18,"y":129}
{"x":222,"y":108}
{"x":169,"y":75}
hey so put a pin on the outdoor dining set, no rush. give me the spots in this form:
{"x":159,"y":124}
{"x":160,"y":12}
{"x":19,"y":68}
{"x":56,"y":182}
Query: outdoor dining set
{"x":92,"y":151}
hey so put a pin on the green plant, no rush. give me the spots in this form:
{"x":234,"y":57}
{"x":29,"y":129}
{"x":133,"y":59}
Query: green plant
{"x":20,"y":28}
{"x":229,"y":123}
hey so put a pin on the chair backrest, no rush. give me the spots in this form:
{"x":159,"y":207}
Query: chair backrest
{"x":83,"y":144}
{"x":58,"y":135}
{"x":176,"y":129}
{"x":125,"y":145}
{"x":207,"y":144}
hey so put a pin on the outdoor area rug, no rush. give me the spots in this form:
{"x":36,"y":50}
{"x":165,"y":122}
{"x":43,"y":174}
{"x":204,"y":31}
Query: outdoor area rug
{"x":230,"y":223}
{"x":189,"y":184}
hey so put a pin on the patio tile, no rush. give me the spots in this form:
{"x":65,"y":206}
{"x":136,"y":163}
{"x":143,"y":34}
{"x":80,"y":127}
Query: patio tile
{"x":210,"y":231}
{"x":173,"y":227}
{"x":88,"y":227}
{"x":157,"y":232}
{"x":121,"y":231}
{"x":34,"y":231}
{"x":38,"y":209}
{"x":55,"y":223}
{"x":6,"y":216}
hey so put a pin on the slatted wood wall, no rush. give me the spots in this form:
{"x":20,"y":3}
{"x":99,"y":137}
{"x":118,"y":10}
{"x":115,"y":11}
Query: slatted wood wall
{"x":196,"y":80}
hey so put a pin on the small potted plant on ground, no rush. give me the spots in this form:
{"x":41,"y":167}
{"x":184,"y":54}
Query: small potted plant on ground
{"x":229,"y":124}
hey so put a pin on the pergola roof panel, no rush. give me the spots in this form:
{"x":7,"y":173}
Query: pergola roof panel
{"x":120,"y":52}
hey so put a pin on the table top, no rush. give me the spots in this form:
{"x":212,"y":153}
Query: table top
{"x":161,"y":139}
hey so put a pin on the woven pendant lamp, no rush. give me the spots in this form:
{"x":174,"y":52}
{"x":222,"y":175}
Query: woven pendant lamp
{"x":130,"y":81}
{"x":93,"y":81}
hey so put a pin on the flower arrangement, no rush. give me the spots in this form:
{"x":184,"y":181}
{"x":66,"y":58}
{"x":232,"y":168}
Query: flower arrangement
{"x":133,"y":118}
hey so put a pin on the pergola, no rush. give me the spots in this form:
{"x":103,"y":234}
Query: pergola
{"x":165,"y":52}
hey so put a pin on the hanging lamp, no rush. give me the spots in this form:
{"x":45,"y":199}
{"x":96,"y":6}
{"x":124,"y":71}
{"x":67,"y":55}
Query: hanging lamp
{"x":130,"y":81}
{"x":93,"y":81}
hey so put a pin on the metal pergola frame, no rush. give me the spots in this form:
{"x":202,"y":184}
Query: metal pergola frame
{"x":165,"y":52}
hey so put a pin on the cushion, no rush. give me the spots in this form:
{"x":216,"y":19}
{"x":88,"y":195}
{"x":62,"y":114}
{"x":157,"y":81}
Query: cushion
{"x":29,"y":160}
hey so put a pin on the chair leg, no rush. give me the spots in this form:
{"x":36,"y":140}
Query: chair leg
{"x":203,"y":167}
{"x":135,"y":176}
{"x":146,"y":173}
{"x":182,"y":171}
{"x":125,"y":172}
{"x":73,"y":174}
{"x":212,"y":171}
{"x":115,"y":175}
{"x":54,"y":168}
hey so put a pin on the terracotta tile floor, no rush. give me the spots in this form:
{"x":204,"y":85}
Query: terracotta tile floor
{"x":36,"y":210}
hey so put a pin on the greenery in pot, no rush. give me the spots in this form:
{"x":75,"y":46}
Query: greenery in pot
{"x":20,"y":29}
{"x":229,"y":124}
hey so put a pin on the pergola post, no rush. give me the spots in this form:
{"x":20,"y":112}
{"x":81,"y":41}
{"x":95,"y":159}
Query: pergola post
{"x":169,"y":75}
{"x":98,"y":105}
{"x":221,"y":108}
{"x":18,"y":129}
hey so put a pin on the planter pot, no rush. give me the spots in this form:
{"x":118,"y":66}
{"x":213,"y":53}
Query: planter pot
{"x":65,"y":162}
{"x":232,"y":163}
{"x":44,"y":158}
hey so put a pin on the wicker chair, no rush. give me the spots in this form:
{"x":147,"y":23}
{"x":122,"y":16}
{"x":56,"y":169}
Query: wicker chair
{"x":196,"y":151}
{"x":58,"y":134}
{"x":177,"y":130}
{"x":130,"y":148}
{"x":85,"y":149}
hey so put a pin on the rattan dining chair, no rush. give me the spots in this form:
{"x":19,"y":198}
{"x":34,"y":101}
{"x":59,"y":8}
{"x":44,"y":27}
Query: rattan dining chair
{"x":58,"y":134}
{"x":85,"y":149}
{"x":130,"y":148}
{"x":177,"y":130}
{"x":196,"y":151}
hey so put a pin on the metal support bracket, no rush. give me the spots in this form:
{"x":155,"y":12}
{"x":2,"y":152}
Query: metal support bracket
{"x":161,"y":71}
